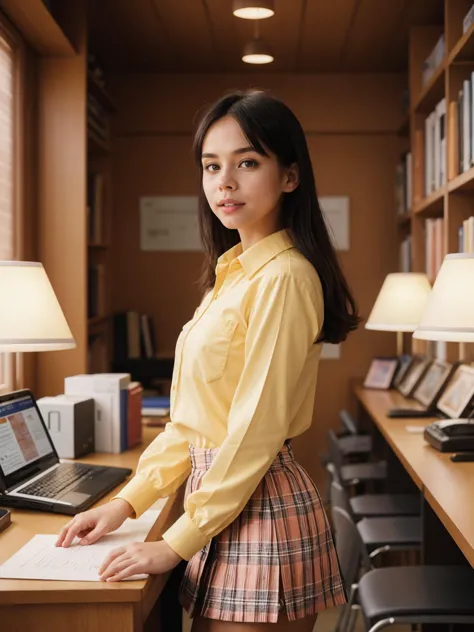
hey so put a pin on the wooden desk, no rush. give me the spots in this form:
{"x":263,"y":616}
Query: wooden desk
{"x":448,"y":487}
{"x":54,"y":606}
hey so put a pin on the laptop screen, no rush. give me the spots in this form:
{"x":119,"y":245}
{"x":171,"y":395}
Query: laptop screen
{"x":25,"y":445}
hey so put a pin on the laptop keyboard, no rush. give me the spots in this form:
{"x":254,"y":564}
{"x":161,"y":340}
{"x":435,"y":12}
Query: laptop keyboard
{"x":58,"y":479}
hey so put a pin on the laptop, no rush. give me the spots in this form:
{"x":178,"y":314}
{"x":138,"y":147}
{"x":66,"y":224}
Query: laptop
{"x":31,"y":475}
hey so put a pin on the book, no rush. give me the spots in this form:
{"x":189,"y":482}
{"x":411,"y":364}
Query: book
{"x":134,"y":421}
{"x":155,"y":406}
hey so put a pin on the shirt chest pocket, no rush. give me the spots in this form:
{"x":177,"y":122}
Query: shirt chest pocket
{"x":212,"y":337}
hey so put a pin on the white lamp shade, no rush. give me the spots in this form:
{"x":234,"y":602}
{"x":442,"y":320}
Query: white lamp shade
{"x":31,"y":318}
{"x":401,"y":302}
{"x":449,"y":313}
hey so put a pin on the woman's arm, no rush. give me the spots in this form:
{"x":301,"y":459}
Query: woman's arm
{"x":162,"y":467}
{"x":282,"y":327}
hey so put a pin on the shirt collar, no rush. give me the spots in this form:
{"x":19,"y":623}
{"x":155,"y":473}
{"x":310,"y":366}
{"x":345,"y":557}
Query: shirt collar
{"x":257,"y":255}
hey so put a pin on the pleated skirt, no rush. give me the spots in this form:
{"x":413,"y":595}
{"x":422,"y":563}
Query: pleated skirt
{"x":277,"y":556}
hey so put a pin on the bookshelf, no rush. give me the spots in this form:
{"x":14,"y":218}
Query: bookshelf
{"x":436,"y":199}
{"x":69,"y":240}
{"x":100,"y":107}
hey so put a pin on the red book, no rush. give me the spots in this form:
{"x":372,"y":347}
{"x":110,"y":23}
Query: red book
{"x":134,"y":430}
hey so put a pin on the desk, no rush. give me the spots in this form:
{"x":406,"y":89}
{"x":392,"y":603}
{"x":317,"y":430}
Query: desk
{"x":447,"y":487}
{"x":53,"y":606}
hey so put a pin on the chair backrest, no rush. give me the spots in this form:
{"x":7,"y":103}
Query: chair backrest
{"x":349,"y":546}
{"x":335,"y":452}
{"x":339,"y":498}
{"x":348,"y":422}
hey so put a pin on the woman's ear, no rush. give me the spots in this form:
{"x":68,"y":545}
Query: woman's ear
{"x":292,"y":178}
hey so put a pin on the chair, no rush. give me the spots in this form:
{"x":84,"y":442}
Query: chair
{"x":378,"y":505}
{"x":399,"y":595}
{"x":353,"y":473}
{"x":380,"y":535}
{"x":350,"y":425}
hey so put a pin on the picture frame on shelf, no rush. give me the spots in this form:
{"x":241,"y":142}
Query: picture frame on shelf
{"x":431,"y":387}
{"x":418,"y":368}
{"x":458,"y":397}
{"x":380,"y":373}
{"x":404,"y":365}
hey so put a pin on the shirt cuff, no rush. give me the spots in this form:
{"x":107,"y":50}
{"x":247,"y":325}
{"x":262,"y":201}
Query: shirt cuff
{"x":185,"y":538}
{"x":139,"y":493}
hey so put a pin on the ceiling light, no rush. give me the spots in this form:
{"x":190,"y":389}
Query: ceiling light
{"x":257,"y":52}
{"x":253,"y":9}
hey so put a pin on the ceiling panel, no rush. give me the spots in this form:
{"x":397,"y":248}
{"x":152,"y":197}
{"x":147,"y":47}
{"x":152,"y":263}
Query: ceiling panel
{"x":305,"y":35}
{"x":375,"y":27}
{"x":324,"y":31}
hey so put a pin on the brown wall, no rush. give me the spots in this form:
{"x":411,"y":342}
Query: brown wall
{"x":350,"y":122}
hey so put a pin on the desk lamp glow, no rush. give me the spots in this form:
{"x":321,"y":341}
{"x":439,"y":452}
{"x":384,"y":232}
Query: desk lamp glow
{"x":31,"y":318}
{"x":449,"y":313}
{"x":400,"y":304}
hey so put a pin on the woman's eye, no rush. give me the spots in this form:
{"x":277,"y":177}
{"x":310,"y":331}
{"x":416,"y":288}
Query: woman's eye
{"x":248,"y":164}
{"x":211,"y":167}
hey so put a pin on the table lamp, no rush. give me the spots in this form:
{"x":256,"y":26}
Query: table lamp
{"x":400,"y":304}
{"x":31,"y":318}
{"x":449,"y":313}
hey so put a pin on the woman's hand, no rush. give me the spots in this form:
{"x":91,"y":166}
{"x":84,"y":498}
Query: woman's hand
{"x":91,"y":525}
{"x":154,"y":558}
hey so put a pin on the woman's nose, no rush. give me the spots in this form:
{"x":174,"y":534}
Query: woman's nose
{"x":227,"y":183}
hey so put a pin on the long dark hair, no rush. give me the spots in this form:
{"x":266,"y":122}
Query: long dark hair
{"x":269,"y":124}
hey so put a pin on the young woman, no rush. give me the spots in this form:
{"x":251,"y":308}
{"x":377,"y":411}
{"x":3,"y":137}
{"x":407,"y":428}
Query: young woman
{"x":254,"y":529}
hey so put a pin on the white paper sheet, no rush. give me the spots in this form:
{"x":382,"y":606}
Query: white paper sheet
{"x":41,"y":559}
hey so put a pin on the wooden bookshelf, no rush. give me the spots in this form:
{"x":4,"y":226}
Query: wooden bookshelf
{"x":99,"y":187}
{"x":449,"y":196}
{"x":432,"y":205}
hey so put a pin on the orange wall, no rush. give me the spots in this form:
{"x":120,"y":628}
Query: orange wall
{"x":350,"y":122}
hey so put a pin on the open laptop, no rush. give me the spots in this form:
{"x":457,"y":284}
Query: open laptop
{"x":31,"y":476}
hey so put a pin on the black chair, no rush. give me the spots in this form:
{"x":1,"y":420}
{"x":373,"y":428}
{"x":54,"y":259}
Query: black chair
{"x":401,"y":595}
{"x":380,"y":535}
{"x":350,"y":425}
{"x":378,"y":505}
{"x":354,"y":473}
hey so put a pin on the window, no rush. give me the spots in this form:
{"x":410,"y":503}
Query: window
{"x":7,"y":206}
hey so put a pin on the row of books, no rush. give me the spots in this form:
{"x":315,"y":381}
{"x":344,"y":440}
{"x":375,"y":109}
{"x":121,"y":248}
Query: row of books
{"x":435,"y":148}
{"x":95,"y":207}
{"x":118,"y":408}
{"x":434,"y":246}
{"x":461,"y":129}
{"x":466,"y":236}
{"x":403,"y":184}
{"x":134,"y":336}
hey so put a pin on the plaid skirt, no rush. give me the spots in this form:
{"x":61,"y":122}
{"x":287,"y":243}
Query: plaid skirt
{"x":277,"y":556}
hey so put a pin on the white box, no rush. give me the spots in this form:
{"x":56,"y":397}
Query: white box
{"x":110,"y":392}
{"x":70,"y":420}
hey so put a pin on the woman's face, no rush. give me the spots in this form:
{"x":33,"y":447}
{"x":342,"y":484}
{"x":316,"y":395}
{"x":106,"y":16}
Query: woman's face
{"x":243,"y":188}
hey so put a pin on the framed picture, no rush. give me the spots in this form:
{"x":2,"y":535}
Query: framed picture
{"x":431,"y":386}
{"x":417,"y":370}
{"x":458,"y":396}
{"x":403,"y":368}
{"x":380,"y":373}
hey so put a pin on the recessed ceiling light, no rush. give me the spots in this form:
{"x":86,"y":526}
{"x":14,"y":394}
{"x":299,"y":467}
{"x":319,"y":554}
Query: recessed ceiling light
{"x":257,"y":52}
{"x":253,"y":9}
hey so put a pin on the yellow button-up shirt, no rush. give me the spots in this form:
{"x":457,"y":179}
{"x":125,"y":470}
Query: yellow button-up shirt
{"x":244,"y":381}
